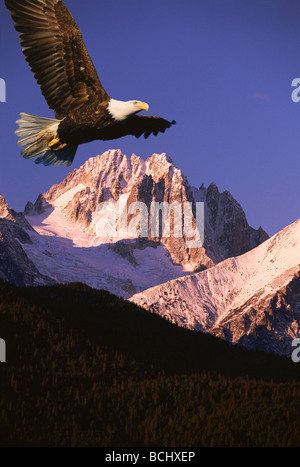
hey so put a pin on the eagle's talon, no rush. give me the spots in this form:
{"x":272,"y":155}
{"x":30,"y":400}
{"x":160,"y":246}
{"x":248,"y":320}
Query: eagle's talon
{"x":55,"y":142}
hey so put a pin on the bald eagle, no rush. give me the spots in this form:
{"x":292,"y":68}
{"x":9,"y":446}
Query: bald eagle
{"x":54,"y":48}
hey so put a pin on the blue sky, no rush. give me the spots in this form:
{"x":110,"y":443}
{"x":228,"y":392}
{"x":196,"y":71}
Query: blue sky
{"x":221,"y":68}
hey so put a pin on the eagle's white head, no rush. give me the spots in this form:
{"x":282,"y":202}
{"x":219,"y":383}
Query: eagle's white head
{"x":121,"y":110}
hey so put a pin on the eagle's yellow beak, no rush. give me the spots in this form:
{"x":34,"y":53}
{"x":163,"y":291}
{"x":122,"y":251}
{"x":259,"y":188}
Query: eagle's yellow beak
{"x":143,"y":106}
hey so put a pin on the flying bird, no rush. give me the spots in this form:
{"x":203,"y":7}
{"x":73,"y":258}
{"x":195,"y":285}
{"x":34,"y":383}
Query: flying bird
{"x":54,"y":48}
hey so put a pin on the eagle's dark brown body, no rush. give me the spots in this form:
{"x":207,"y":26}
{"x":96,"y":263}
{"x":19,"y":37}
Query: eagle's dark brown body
{"x":55,"y":50}
{"x":85,"y":125}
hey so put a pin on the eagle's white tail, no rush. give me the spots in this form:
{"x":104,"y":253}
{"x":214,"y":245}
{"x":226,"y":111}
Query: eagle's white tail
{"x":35,"y":134}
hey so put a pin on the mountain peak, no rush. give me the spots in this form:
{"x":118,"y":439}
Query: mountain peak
{"x":160,"y":159}
{"x":2,"y":201}
{"x":158,"y":164}
{"x":15,"y":265}
{"x":108,"y":176}
{"x":6,"y":212}
{"x":4,"y":208}
{"x":252,"y":299}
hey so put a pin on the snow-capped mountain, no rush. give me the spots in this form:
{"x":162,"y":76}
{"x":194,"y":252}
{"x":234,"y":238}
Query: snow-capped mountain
{"x":15,"y":266}
{"x":238,"y":285}
{"x":252,"y":300}
{"x":57,"y":236}
{"x":66,"y":218}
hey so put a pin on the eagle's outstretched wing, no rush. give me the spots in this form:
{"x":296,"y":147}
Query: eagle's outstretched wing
{"x":54,"y":48}
{"x":140,"y":125}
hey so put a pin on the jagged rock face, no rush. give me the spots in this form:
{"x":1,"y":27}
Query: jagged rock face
{"x":227,"y":232}
{"x":107,"y":177}
{"x":265,"y":324}
{"x":252,"y":300}
{"x":15,"y":266}
{"x":247,"y":291}
{"x":37,"y":208}
{"x":17,"y":219}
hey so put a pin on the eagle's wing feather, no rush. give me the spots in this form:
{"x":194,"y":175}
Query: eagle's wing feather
{"x":55,"y":50}
{"x":140,"y":125}
{"x":145,"y":125}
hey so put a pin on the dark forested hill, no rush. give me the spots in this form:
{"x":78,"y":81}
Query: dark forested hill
{"x":85,"y":368}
